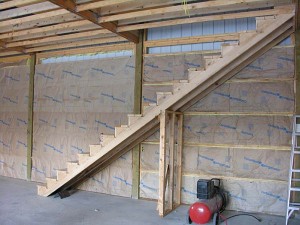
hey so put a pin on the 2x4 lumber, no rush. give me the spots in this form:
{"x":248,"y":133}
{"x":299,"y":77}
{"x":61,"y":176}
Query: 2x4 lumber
{"x":30,"y":116}
{"x":295,"y":195}
{"x":268,"y":12}
{"x":15,"y":3}
{"x":162,"y":164}
{"x":106,"y":48}
{"x":43,"y":30}
{"x":8,"y":49}
{"x":137,"y":5}
{"x":177,"y":194}
{"x":70,"y":5}
{"x":40,"y":16}
{"x":14,"y":58}
{"x":40,"y":23}
{"x":26,"y":10}
{"x":94,"y":33}
{"x":100,"y":4}
{"x":204,"y":6}
{"x":135,"y":191}
{"x":76,"y":44}
{"x":192,"y":40}
{"x":172,"y":122}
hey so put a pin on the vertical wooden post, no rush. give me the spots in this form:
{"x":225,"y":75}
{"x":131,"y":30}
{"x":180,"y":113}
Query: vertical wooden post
{"x":135,"y":191}
{"x":295,"y":195}
{"x":30,"y":116}
{"x":177,"y":191}
{"x":162,"y":163}
{"x":171,"y":160}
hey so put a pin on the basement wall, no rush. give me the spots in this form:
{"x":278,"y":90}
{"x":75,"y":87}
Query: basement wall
{"x":74,"y":103}
{"x":241,"y":132}
{"x":14,"y":88}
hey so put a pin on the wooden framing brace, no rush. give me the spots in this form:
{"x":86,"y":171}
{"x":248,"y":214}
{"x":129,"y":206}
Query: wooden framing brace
{"x":30,"y":116}
{"x":135,"y":191}
{"x":170,"y":161}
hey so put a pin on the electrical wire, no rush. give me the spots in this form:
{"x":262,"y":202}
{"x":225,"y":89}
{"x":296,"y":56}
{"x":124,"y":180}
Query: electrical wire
{"x":244,"y":214}
{"x":223,"y":218}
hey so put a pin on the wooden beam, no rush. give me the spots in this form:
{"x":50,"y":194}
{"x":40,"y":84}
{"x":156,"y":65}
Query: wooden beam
{"x":85,"y":50}
{"x":30,"y":116}
{"x":40,"y":16}
{"x":40,"y":23}
{"x":9,"y":49}
{"x":135,"y":192}
{"x":171,"y":160}
{"x":162,"y":164}
{"x":26,"y":10}
{"x":100,"y":4}
{"x":192,"y":40}
{"x":76,"y":44}
{"x":43,"y":30}
{"x":94,"y":33}
{"x":15,"y":3}
{"x":177,"y":191}
{"x":269,"y":12}
{"x":204,"y":7}
{"x":11,"y":59}
{"x":70,"y":5}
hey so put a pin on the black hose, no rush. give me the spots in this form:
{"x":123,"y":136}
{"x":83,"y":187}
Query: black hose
{"x":244,"y":214}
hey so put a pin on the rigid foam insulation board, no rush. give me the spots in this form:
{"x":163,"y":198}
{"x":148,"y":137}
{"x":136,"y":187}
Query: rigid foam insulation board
{"x":14,"y":89}
{"x":249,"y":152}
{"x":74,"y":103}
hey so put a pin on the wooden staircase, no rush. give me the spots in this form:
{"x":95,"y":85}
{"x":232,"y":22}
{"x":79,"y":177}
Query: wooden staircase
{"x":270,"y":31}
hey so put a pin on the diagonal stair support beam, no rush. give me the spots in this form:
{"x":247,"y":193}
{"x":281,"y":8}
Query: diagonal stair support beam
{"x":252,"y":46}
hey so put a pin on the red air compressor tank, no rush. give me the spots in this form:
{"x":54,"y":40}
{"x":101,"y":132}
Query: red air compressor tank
{"x":212,"y":201}
{"x":202,"y":212}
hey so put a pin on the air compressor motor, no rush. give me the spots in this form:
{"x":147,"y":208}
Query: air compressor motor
{"x":212,"y":201}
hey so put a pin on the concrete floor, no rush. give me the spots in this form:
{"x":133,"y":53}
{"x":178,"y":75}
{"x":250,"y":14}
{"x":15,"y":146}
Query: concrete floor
{"x":20,"y":205}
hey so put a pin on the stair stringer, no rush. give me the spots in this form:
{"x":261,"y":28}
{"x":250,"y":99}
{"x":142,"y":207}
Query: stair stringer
{"x":213,"y":76}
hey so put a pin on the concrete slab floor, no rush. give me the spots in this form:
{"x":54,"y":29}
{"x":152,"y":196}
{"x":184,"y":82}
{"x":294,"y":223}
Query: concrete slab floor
{"x":20,"y":205}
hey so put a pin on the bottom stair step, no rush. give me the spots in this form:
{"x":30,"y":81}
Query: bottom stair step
{"x":50,"y":182}
{"x":41,"y":189}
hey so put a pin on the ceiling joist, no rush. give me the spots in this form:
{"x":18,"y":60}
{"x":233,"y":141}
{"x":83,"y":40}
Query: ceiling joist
{"x":70,"y":5}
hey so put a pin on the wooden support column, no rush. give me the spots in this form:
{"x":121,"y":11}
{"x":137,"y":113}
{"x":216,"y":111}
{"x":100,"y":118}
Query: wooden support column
{"x":296,"y":195}
{"x":177,"y":191}
{"x":30,"y":115}
{"x":135,"y":191}
{"x":170,"y":162}
{"x":162,"y":164}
